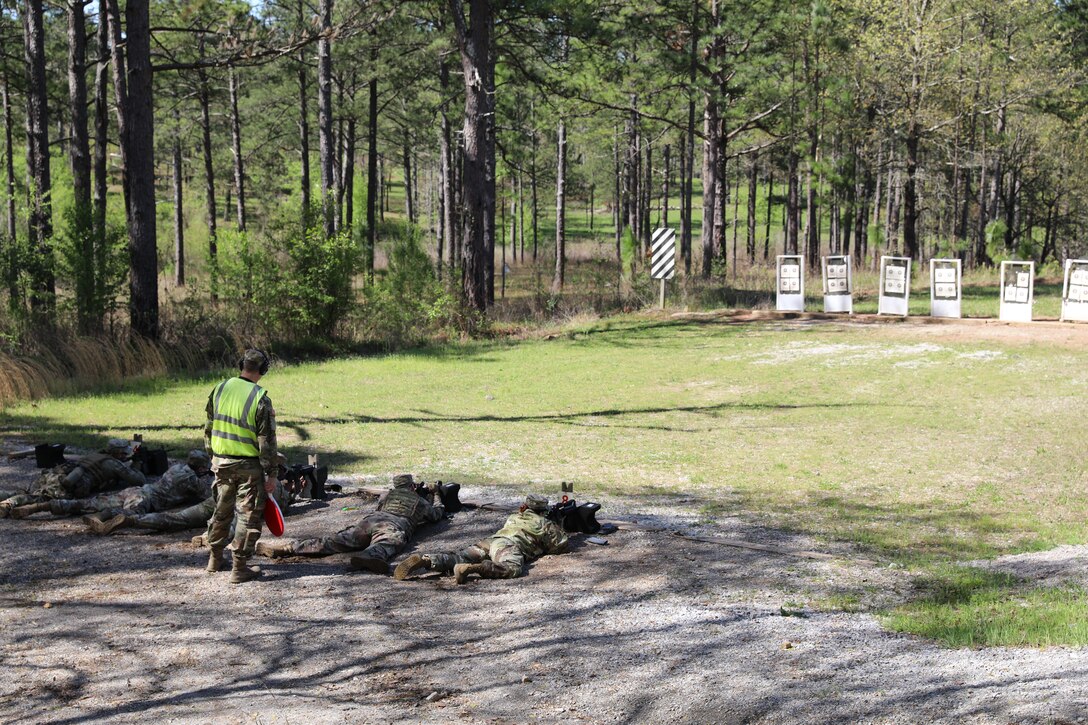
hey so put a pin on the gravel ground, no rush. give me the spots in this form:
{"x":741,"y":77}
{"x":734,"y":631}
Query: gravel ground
{"x":653,"y":627}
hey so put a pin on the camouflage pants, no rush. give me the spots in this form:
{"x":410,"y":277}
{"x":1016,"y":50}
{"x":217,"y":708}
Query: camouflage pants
{"x":50,"y":485}
{"x":377,"y":535}
{"x":127,"y":501}
{"x":192,"y":517}
{"x":503,"y":552}
{"x":239,"y":498}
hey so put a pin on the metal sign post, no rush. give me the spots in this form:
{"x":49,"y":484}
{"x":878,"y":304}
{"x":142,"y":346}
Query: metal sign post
{"x":663,"y":257}
{"x":945,"y":291}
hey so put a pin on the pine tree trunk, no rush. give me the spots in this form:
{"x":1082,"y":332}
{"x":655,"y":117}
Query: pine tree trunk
{"x":665,"y":188}
{"x":326,"y":142}
{"x":11,"y":273}
{"x":753,"y":189}
{"x":101,"y":143}
{"x":409,"y":204}
{"x":770,"y":208}
{"x":43,"y":279}
{"x":477,"y":180}
{"x":617,"y":198}
{"x":560,"y":210}
{"x":349,"y":174}
{"x":910,"y":195}
{"x":447,"y":204}
{"x":372,"y":192}
{"x":303,"y":120}
{"x":209,"y":181}
{"x":140,"y":122}
{"x":179,"y":207}
{"x":793,"y":202}
{"x":120,"y":92}
{"x":710,"y":181}
{"x":236,"y":150}
{"x":80,"y":147}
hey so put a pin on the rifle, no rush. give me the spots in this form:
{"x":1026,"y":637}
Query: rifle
{"x":297,"y":476}
{"x":447,"y":492}
{"x":574,"y":517}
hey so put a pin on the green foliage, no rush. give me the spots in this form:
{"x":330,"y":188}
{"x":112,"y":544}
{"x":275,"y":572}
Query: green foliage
{"x":628,"y":252}
{"x":96,"y":267}
{"x":949,"y":248}
{"x":995,"y":242}
{"x":408,"y":304}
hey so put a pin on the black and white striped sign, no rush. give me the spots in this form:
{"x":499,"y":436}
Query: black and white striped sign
{"x":663,"y":254}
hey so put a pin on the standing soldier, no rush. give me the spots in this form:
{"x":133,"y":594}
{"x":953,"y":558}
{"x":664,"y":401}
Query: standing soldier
{"x":240,"y":435}
{"x":526,"y":535}
{"x":379,"y":535}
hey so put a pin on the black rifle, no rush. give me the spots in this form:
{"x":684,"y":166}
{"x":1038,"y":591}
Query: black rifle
{"x":297,"y":476}
{"x":574,"y":517}
{"x":449,"y":493}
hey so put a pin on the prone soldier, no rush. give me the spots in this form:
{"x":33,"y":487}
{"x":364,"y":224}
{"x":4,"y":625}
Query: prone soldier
{"x":380,"y":535}
{"x":183,"y":483}
{"x":527,"y":535}
{"x":90,"y":475}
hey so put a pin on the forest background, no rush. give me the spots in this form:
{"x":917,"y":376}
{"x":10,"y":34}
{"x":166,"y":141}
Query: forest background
{"x":185,"y":178}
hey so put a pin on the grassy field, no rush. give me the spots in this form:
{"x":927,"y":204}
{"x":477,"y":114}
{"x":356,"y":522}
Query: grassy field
{"x":918,"y":450}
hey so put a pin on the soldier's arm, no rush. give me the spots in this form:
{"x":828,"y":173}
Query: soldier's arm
{"x":266,"y":437}
{"x":125,"y":473}
{"x":210,"y":410}
{"x":435,"y":511}
{"x":555,"y":538}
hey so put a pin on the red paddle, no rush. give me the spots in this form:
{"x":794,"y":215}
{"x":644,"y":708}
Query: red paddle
{"x":273,"y":517}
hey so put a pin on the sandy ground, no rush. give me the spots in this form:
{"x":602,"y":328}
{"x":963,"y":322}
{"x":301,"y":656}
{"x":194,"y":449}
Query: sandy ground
{"x":652,"y":627}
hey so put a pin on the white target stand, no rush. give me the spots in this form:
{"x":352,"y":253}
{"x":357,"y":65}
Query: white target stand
{"x":1017,"y":291}
{"x":1075,"y":291}
{"x":894,"y":286}
{"x":790,"y":283}
{"x":945,"y":288}
{"x":838,"y":284}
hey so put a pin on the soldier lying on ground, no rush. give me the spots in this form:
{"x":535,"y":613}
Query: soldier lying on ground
{"x":90,"y":475}
{"x":191,"y":517}
{"x":379,"y":534}
{"x":527,"y":535}
{"x":183,"y":483}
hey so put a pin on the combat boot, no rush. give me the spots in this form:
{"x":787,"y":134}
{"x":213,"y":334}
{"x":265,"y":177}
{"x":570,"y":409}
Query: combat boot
{"x":486,"y":570}
{"x":369,"y":563}
{"x":21,"y":512}
{"x":106,"y":527}
{"x":5,"y":509}
{"x":274,"y":549}
{"x":216,"y":561}
{"x":240,"y":573}
{"x":411,"y":564}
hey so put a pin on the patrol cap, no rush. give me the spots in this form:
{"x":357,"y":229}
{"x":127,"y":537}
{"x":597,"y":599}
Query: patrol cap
{"x":118,"y":445}
{"x":281,"y":460}
{"x":198,"y":459}
{"x":536,"y":502}
{"x":403,"y":480}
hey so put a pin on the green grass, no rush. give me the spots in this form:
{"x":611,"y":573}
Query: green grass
{"x":966,"y":607}
{"x":918,"y":450}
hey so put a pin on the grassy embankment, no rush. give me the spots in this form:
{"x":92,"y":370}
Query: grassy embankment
{"x":918,"y":452}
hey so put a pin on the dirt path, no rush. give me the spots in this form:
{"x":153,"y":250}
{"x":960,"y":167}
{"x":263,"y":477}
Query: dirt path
{"x":653,"y":627}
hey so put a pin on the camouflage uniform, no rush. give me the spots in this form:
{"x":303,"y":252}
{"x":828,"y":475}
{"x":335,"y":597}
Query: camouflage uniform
{"x":380,"y":534}
{"x":239,"y":484}
{"x":178,"y":486}
{"x":92,"y":474}
{"x":197,"y":515}
{"x":527,"y":535}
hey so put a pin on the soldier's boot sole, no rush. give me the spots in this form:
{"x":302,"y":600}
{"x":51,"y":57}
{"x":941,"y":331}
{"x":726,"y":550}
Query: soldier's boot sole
{"x":89,"y":518}
{"x":242,"y":574}
{"x":5,"y":510}
{"x":367,"y":563}
{"x":412,"y":564}
{"x":216,"y":562}
{"x":105,"y":528}
{"x":272,"y":551}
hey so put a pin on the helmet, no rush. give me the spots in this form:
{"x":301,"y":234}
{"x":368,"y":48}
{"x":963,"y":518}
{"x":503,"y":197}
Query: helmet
{"x":403,"y":480}
{"x":117,"y":446}
{"x":536,"y":502}
{"x":198,"y":460}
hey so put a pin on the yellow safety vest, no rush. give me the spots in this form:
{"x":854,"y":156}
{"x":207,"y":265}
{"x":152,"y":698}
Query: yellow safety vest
{"x":234,"y":423}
